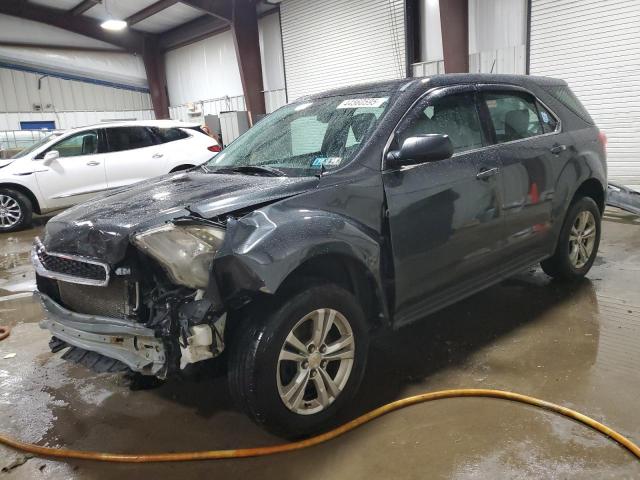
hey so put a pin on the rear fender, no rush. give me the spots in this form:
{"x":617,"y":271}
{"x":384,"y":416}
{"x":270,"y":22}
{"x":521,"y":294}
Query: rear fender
{"x":583,"y":165}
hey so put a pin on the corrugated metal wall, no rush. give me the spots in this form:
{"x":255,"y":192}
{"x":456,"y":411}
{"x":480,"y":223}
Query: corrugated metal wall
{"x":595,"y":46}
{"x":332,"y":43}
{"x":69,"y":103}
{"x":206,"y":73}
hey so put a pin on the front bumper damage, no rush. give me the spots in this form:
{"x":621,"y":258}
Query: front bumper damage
{"x":133,"y":344}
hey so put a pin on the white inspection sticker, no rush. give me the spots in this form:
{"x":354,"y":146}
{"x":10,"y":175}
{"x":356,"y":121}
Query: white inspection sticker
{"x":362,"y":102}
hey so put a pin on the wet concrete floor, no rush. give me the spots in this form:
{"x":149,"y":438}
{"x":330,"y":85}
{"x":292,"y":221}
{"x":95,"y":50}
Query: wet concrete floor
{"x":575,"y":345}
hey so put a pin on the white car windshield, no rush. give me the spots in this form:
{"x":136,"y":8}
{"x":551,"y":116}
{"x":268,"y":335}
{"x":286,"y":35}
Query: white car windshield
{"x":35,"y":146}
{"x":305,"y":138}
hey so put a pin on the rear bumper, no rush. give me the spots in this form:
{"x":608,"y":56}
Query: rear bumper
{"x":134,"y":345}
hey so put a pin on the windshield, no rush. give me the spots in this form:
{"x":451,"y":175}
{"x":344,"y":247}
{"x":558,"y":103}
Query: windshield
{"x":36,"y":145}
{"x":305,"y":138}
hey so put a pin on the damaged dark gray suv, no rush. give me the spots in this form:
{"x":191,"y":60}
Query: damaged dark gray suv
{"x":338,"y":216}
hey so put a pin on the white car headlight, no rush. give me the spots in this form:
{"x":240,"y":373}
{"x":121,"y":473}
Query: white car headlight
{"x":186,"y":252}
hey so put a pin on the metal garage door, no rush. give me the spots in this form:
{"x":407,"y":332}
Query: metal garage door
{"x":595,"y":46}
{"x":332,"y":43}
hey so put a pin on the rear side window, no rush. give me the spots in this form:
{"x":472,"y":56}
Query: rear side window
{"x":565,"y":96}
{"x":453,"y":115}
{"x":166,"y":135}
{"x":514,"y":116}
{"x":129,"y":138}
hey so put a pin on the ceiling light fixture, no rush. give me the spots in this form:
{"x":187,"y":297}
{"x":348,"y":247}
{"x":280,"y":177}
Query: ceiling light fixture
{"x":111,"y":23}
{"x":114,"y":25}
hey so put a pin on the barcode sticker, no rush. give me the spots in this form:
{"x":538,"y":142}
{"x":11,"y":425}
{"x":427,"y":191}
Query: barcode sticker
{"x":362,"y":102}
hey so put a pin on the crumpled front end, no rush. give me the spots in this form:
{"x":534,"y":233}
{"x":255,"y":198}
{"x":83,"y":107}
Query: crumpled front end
{"x":129,"y":314}
{"x":128,"y":342}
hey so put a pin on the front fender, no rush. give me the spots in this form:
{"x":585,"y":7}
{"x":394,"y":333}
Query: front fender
{"x":263,"y":248}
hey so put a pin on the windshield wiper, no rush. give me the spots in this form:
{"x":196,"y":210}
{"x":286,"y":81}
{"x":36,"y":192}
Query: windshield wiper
{"x":257,"y":169}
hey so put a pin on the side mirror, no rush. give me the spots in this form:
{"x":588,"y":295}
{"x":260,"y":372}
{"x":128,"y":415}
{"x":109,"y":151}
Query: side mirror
{"x":421,"y":149}
{"x":50,"y":156}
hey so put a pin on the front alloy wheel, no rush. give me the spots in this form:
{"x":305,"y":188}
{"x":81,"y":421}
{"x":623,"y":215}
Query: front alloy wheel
{"x":296,"y":361}
{"x":315,"y":361}
{"x":10,"y":212}
{"x":15,"y":210}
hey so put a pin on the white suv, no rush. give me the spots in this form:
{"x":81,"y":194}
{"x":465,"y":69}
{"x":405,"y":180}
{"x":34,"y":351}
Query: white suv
{"x":67,"y":168}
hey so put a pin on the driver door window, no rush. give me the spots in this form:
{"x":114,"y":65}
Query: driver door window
{"x":454,"y":115}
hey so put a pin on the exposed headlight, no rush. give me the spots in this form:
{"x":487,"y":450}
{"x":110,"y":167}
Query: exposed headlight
{"x":186,"y":252}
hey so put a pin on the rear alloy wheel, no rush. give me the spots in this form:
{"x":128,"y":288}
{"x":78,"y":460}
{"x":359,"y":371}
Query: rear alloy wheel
{"x":578,"y":243}
{"x":293,"y":369}
{"x":15,"y":210}
{"x":582,"y":239}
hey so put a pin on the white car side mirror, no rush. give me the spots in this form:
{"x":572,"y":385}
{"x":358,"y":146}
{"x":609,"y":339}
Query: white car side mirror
{"x":50,"y":156}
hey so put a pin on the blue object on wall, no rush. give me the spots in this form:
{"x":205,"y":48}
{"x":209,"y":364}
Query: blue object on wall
{"x":38,"y":125}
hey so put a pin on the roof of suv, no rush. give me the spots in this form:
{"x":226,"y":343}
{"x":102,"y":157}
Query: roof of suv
{"x":394,"y":86}
{"x":143,"y":123}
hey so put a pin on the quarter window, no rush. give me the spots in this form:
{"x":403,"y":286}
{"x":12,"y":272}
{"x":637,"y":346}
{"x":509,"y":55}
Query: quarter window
{"x":453,"y":115}
{"x":548,"y":120}
{"x":129,"y":138}
{"x":514,"y":116}
{"x":166,"y":135}
{"x":83,"y":143}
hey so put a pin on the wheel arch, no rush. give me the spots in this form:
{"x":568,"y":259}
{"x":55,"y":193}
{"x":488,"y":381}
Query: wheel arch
{"x":347,"y":272}
{"x":181,"y":167}
{"x":26,"y":192}
{"x":594,"y":189}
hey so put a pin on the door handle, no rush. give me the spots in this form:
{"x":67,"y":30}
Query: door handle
{"x":93,"y":163}
{"x":558,"y":149}
{"x":486,"y":173}
{"x":157,"y":155}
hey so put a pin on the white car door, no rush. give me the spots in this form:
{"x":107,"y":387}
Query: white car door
{"x":134,"y":155}
{"x":77,"y":174}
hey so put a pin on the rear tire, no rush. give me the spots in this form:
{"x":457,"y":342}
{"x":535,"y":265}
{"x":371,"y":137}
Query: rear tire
{"x":296,"y":391}
{"x":578,"y":242}
{"x":15,"y":210}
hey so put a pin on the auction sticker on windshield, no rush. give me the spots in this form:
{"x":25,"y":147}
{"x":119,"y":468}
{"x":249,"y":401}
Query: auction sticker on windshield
{"x":362,"y":102}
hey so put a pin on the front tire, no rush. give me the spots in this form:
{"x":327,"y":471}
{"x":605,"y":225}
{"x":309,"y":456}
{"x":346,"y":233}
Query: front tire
{"x":292,"y":370}
{"x":578,"y":243}
{"x":15,"y":210}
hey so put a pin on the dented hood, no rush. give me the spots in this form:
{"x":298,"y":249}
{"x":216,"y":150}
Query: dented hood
{"x":101,"y":227}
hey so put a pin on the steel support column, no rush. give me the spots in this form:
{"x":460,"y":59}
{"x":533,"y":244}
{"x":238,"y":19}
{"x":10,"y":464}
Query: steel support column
{"x":454,"y":20}
{"x":244,"y":28}
{"x":157,"y":79}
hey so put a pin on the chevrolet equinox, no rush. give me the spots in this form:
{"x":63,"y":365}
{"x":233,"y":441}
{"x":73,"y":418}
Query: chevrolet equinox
{"x":338,"y":216}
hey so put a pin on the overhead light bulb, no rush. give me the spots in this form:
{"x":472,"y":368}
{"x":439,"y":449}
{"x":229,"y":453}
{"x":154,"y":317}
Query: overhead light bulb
{"x":114,"y":25}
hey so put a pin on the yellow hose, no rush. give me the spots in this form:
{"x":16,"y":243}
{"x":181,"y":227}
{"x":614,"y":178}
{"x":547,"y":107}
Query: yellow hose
{"x":4,"y":332}
{"x":318,"y":439}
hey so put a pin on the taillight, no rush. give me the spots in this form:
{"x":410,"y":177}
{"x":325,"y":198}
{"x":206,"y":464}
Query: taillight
{"x":214,"y":148}
{"x":603,"y":139}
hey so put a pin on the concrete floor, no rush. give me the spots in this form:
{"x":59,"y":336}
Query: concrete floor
{"x":574,"y":345}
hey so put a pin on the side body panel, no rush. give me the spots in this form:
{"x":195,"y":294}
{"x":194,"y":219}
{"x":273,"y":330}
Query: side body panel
{"x":264,"y":247}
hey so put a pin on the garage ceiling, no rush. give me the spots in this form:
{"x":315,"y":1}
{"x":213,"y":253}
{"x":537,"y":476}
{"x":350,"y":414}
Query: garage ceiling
{"x":174,"y":22}
{"x":171,"y":16}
